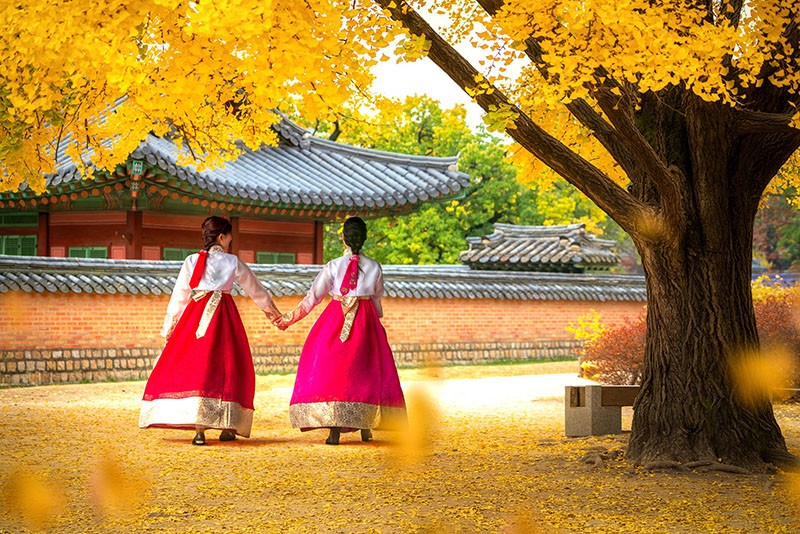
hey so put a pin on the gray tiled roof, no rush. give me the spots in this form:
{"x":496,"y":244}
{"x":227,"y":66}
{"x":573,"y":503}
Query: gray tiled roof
{"x":73,"y":275}
{"x":303,"y":171}
{"x":539,"y":248}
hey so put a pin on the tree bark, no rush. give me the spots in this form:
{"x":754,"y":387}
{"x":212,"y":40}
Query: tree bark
{"x":700,"y":314}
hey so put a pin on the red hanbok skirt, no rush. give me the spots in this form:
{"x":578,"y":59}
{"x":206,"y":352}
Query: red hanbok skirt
{"x":207,"y":381}
{"x":351,"y":384}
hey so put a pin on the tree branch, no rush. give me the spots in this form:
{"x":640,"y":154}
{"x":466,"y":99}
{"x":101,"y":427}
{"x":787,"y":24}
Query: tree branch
{"x":653,"y":167}
{"x":622,"y":139}
{"x":611,"y":198}
{"x":579,"y":108}
{"x":731,"y":10}
{"x":757,"y":122}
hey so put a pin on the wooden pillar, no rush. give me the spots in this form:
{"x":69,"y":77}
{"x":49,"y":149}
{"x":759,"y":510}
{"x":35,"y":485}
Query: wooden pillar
{"x":43,"y":236}
{"x":235,"y":235}
{"x":134,"y":234}
{"x":319,"y":239}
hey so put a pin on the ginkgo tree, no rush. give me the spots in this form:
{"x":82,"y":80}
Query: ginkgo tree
{"x":674,"y":118}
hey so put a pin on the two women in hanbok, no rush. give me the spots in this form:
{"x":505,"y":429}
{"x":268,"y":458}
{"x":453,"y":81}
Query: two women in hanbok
{"x":346,"y":379}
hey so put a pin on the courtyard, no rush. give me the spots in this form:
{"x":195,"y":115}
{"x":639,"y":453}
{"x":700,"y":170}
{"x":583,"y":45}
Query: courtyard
{"x":485,"y":452}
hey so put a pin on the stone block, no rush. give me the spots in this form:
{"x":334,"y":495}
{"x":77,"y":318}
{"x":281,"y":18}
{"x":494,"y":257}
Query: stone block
{"x":585,"y":415}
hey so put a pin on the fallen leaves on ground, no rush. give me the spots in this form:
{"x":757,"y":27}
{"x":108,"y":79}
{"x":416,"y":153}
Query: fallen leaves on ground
{"x":486,"y":456}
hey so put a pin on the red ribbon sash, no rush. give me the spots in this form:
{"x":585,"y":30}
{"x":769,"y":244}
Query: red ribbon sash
{"x":197,"y":274}
{"x":350,"y":276}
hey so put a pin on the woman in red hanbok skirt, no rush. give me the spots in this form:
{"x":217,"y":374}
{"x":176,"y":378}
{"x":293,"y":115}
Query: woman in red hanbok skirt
{"x":204,"y":377}
{"x":346,"y":379}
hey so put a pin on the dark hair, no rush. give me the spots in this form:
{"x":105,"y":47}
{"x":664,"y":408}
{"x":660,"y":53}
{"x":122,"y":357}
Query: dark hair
{"x":354,"y":232}
{"x":213,"y":227}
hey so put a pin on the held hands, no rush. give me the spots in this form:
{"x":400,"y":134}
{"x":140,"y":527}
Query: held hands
{"x":289,"y":318}
{"x":283,"y":321}
{"x":279,"y":323}
{"x":275,"y":318}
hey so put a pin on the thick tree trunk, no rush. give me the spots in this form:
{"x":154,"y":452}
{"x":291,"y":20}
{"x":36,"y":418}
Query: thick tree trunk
{"x":699,"y":315}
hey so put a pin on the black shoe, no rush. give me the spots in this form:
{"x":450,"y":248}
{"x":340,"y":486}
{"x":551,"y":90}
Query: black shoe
{"x":333,"y":437}
{"x":227,"y":435}
{"x":366,"y":434}
{"x":199,"y":439}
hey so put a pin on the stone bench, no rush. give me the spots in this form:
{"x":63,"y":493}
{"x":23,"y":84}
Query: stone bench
{"x":597,"y":409}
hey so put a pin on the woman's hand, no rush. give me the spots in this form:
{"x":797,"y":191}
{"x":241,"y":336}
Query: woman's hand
{"x":276,"y":319}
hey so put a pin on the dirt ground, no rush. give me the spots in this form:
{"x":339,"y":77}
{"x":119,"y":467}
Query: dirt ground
{"x":485,"y":453}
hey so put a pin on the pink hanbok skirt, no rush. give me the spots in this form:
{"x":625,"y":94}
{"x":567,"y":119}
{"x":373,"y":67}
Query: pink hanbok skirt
{"x":207,"y":381}
{"x":351,"y":384}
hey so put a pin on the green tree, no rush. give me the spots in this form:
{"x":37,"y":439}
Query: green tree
{"x":437,"y":232}
{"x":776,"y":237}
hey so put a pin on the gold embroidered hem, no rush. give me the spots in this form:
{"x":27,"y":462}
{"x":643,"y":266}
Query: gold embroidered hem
{"x":349,"y":309}
{"x":347,"y":415}
{"x":173,"y":320}
{"x":208,"y":311}
{"x":193,"y":411}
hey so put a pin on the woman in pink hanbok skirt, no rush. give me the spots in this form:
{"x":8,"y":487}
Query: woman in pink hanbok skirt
{"x":346,"y":379}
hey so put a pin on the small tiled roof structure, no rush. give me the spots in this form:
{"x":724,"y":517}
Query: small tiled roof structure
{"x":73,"y":275}
{"x":313,"y":177}
{"x":566,"y":248}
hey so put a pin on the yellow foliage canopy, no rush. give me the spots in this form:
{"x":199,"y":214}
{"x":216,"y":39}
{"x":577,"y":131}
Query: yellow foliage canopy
{"x":631,"y":49}
{"x":96,"y":77}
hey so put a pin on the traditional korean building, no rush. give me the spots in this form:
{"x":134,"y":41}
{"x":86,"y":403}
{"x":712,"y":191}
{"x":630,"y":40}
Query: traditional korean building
{"x":277,"y":198}
{"x":564,"y":249}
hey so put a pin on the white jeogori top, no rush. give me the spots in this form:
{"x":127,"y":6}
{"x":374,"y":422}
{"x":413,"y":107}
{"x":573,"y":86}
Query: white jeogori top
{"x":329,"y":281}
{"x":222,"y":269}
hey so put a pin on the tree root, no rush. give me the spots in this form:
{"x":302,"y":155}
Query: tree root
{"x":783,"y":459}
{"x":699,"y":463}
{"x":725,"y":468}
{"x":666,"y":464}
{"x":597,"y":455}
{"x":702,"y":466}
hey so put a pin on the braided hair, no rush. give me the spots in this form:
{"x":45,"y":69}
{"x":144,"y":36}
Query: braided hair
{"x":354,"y":233}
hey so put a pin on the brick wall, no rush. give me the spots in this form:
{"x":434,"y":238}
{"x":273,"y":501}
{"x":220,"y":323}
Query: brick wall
{"x":72,"y":337}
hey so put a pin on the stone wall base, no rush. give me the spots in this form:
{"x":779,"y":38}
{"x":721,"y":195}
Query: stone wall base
{"x":73,"y":366}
